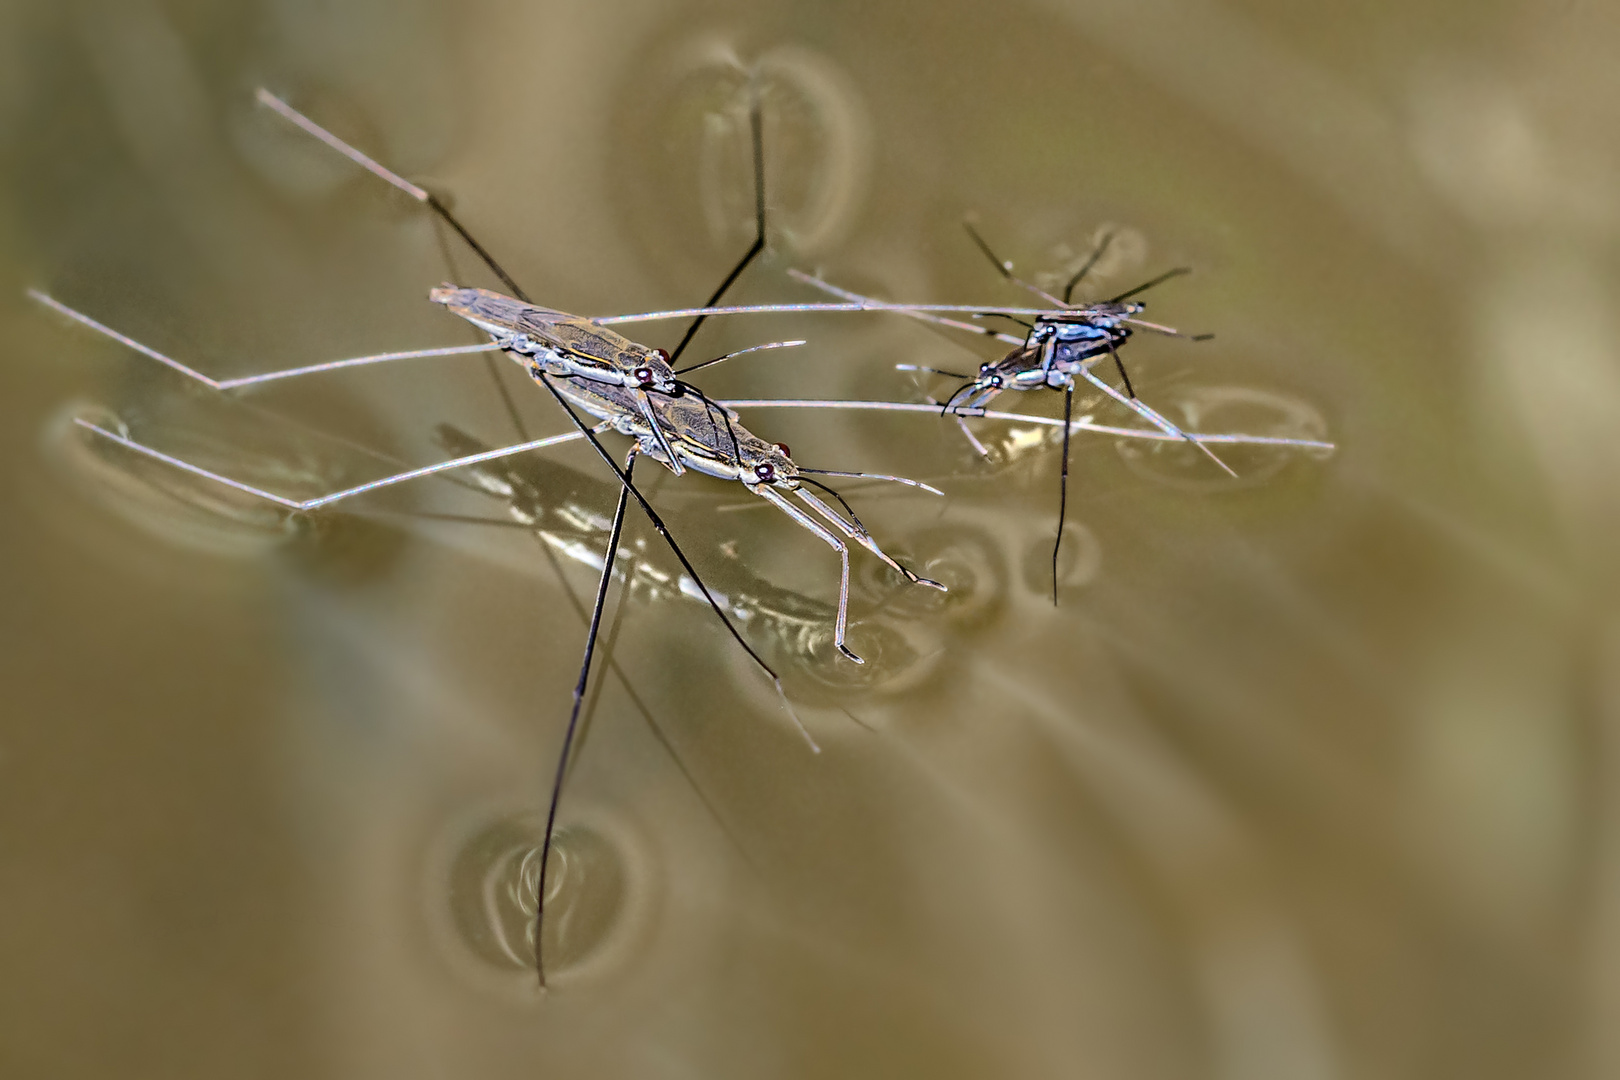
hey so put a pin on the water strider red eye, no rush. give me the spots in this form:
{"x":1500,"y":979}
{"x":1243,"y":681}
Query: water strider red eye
{"x":643,"y":375}
{"x":765,"y":472}
{"x":995,"y":381}
{"x":782,"y":446}
{"x":661,"y":356}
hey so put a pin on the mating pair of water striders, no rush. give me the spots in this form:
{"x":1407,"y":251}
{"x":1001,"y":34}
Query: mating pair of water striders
{"x":638,"y":391}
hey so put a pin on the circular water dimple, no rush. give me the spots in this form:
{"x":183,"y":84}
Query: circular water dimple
{"x":175,"y":506}
{"x":691,"y":136}
{"x":895,"y":659}
{"x":345,"y":549}
{"x":1079,"y":560}
{"x":965,"y":560}
{"x":490,"y":894}
{"x":819,"y":150}
{"x":1119,"y":251}
{"x":1227,"y":410}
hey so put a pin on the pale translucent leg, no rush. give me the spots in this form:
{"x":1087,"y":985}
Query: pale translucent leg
{"x":814,"y":308}
{"x":771,"y":495}
{"x":1083,"y":424}
{"x":1152,"y":416}
{"x":251,"y":380}
{"x":863,"y":538}
{"x":922,"y":312}
{"x":973,"y":440}
{"x":337,"y":496}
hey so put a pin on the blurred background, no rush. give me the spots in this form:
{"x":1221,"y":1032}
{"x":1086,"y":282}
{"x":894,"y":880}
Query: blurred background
{"x":1309,"y":775}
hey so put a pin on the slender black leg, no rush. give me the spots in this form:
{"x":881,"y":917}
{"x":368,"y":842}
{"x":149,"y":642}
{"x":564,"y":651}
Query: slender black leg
{"x":573,"y":715}
{"x":663,"y":531}
{"x":995,"y":260}
{"x":1146,"y":285}
{"x":1091,"y":261}
{"x":590,"y":436}
{"x":1063,"y":488}
{"x":1005,"y":271}
{"x":1119,"y":365}
{"x":756,"y":132}
{"x":478,"y":249}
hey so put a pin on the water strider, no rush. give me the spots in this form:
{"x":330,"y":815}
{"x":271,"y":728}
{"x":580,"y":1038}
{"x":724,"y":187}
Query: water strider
{"x":1062,"y":343}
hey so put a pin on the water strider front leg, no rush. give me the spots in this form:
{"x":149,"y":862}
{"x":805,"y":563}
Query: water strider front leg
{"x":973,"y":441}
{"x":771,"y":495}
{"x":858,"y":533}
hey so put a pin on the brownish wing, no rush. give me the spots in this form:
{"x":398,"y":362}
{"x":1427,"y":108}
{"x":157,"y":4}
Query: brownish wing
{"x":581,"y":336}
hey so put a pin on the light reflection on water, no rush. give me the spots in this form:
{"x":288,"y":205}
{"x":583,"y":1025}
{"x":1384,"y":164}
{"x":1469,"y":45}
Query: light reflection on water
{"x":1306,"y":777}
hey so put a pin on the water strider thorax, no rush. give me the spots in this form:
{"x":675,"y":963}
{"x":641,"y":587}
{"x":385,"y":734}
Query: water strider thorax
{"x":1057,"y":346}
{"x":701,"y":435}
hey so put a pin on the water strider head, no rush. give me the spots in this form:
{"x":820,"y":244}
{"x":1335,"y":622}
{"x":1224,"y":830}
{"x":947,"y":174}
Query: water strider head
{"x":564,"y":345}
{"x":768,"y":463}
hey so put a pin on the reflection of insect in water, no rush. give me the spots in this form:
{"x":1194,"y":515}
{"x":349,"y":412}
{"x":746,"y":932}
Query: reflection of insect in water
{"x":631,"y":388}
{"x":1061,"y":343}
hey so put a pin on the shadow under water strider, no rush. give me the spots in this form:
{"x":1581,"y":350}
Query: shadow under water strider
{"x":565,"y":510}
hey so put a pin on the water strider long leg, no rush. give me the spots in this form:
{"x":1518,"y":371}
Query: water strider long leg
{"x":771,"y":495}
{"x":420,"y":194}
{"x":573,"y":714}
{"x":757,"y":136}
{"x":925,"y":313}
{"x":813,"y":308}
{"x":1004,"y":268}
{"x":1083,"y":424}
{"x":1150,"y":283}
{"x":1153,"y":417}
{"x":337,"y":496}
{"x":252,"y":380}
{"x":1086,"y":267}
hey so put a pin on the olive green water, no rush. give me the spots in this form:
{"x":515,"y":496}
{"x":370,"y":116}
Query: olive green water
{"x":1309,"y":776}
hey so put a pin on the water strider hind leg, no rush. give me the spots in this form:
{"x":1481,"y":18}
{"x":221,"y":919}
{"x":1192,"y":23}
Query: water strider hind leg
{"x":573,"y":714}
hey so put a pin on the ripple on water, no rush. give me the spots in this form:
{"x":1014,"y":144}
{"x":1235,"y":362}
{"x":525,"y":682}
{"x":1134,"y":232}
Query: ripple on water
{"x":896,"y":659}
{"x":1079,"y":560}
{"x":963,"y":558}
{"x":167,"y":503}
{"x":196,"y":514}
{"x":1227,"y":409}
{"x":593,"y":898}
{"x":689,"y":110}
